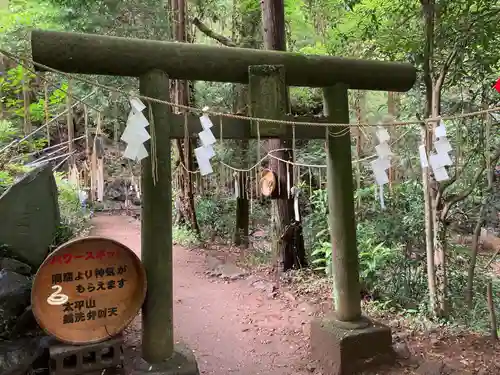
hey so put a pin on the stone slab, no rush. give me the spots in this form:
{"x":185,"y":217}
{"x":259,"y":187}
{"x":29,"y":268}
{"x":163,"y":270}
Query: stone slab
{"x":182,"y":362}
{"x":30,"y":216}
{"x":341,"y":350}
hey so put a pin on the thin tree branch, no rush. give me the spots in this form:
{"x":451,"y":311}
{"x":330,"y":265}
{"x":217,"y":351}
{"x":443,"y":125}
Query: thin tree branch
{"x":459,"y":44}
{"x":212,"y":34}
{"x":458,"y":198}
{"x":446,"y":68}
{"x":446,"y":184}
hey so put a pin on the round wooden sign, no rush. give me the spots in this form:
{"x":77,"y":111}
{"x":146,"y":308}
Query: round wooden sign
{"x":267,"y":183}
{"x":88,"y":290}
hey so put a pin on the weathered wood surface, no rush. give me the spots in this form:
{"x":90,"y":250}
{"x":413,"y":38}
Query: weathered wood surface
{"x":341,"y":217}
{"x":105,"y":285}
{"x":96,"y":54}
{"x":156,"y":226}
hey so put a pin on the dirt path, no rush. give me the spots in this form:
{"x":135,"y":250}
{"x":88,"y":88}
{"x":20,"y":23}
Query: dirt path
{"x":232,"y":327}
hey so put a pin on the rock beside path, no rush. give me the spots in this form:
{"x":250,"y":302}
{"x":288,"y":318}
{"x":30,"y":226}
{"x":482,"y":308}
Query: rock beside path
{"x":29,"y":211}
{"x":16,"y":266}
{"x":15,"y":293}
{"x":18,"y":357}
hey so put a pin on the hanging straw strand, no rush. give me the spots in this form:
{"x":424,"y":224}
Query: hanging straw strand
{"x":154,"y":160}
{"x":273,"y":121}
{"x":46,"y":109}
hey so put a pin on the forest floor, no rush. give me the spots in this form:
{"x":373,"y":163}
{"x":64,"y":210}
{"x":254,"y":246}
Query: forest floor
{"x":241,"y":323}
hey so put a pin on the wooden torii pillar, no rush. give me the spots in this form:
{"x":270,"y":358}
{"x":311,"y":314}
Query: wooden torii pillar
{"x":344,"y":339}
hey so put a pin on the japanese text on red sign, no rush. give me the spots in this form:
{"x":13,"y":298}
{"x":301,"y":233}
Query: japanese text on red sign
{"x":89,"y":255}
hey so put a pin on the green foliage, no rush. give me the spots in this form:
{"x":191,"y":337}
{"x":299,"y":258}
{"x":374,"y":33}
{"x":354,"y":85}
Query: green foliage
{"x":402,"y":221}
{"x":11,"y":86}
{"x":74,"y":218}
{"x":7,"y":132}
{"x":184,"y":236}
{"x":141,"y":19}
{"x":6,"y":180}
{"x":213,"y":218}
{"x":316,"y":230}
{"x":322,"y":255}
{"x":390,"y":242}
{"x":215,"y":215}
{"x":20,"y":17}
{"x":385,"y":271}
{"x":216,"y":95}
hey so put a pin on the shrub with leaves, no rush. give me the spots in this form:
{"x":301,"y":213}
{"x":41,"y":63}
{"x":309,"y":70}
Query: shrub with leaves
{"x":74,"y":218}
{"x":182,"y":235}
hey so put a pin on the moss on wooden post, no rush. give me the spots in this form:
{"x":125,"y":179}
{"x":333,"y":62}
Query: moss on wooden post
{"x":99,"y":54}
{"x":156,"y":226}
{"x":268,"y":99}
{"x":345,"y":262}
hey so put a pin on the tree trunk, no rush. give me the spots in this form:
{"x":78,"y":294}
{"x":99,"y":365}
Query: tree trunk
{"x":247,"y":35}
{"x":491,"y":308}
{"x":439,"y":226}
{"x":247,"y":31}
{"x":469,"y":292}
{"x":428,"y":10}
{"x":440,"y":249}
{"x":289,"y":252}
{"x":184,"y":148}
{"x":240,"y":235}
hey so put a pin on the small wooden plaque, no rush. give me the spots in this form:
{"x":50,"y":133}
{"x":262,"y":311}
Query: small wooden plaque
{"x":104,"y":281}
{"x":268,"y":182}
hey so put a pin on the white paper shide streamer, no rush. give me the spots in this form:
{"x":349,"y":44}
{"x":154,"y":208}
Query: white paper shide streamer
{"x":135,"y":133}
{"x":206,"y":151}
{"x":439,"y":159}
{"x":383,"y":162}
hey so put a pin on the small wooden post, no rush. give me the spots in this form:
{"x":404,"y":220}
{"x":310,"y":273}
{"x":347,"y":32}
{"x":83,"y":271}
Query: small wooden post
{"x":69,"y":125}
{"x":156,"y":226}
{"x":240,"y":236}
{"x":28,"y":127}
{"x":345,"y":263}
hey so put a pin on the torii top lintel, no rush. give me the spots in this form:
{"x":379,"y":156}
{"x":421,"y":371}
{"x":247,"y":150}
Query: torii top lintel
{"x":96,"y":54}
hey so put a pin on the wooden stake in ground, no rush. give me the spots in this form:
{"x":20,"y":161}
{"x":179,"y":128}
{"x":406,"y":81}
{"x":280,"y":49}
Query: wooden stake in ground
{"x":69,"y":125}
{"x":98,"y":159}
{"x":26,"y":102}
{"x":46,"y":107}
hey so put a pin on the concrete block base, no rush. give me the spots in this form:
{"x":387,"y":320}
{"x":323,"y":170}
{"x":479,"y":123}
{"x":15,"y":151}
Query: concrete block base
{"x":183,"y":362}
{"x":347,"y":348}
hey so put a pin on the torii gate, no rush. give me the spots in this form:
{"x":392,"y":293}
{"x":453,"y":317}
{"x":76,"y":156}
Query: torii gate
{"x":342,"y":341}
